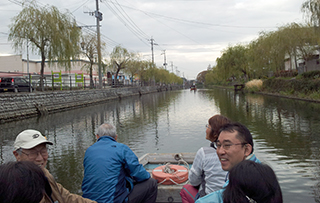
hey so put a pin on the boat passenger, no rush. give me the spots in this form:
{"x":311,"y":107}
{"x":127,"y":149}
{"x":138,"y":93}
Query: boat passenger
{"x":252,"y":182}
{"x":31,"y":145}
{"x":234,"y":144}
{"x":21,"y":181}
{"x":112,"y":172}
{"x":206,"y":172}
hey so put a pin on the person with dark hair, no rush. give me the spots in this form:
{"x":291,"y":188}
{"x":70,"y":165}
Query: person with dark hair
{"x":206,"y":172}
{"x":234,"y":145}
{"x":112,"y":172}
{"x":252,"y":182}
{"x":31,"y":145}
{"x":21,"y":182}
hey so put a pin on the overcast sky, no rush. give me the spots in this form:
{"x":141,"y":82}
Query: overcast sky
{"x":193,"y":33}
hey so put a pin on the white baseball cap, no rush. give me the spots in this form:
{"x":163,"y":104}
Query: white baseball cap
{"x":28,"y":139}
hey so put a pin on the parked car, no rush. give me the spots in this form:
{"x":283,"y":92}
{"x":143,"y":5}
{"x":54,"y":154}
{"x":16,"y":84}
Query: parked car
{"x":15,"y":84}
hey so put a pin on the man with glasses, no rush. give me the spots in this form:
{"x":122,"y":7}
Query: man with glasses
{"x":31,"y":145}
{"x":233,"y":145}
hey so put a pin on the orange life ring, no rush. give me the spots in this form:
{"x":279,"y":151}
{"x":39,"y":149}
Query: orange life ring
{"x":179,"y":175}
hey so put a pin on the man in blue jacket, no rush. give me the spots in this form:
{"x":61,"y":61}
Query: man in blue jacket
{"x":233,"y":145}
{"x":112,"y":172}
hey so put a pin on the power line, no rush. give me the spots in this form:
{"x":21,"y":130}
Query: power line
{"x":107,"y":40}
{"x":130,"y":28}
{"x":144,"y":35}
{"x":193,"y":22}
{"x":80,"y":6}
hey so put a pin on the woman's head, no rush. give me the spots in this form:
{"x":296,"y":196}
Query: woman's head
{"x":252,"y":182}
{"x":21,"y":181}
{"x":214,"y":125}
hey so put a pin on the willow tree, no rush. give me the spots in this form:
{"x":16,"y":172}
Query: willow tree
{"x":233,"y":62}
{"x":120,"y":58}
{"x":303,"y":41}
{"x":238,"y":60}
{"x":162,"y":76}
{"x":133,"y":68}
{"x":144,"y":71}
{"x":266,"y":54}
{"x":52,"y":35}
{"x":223,"y":67}
{"x":312,"y":10}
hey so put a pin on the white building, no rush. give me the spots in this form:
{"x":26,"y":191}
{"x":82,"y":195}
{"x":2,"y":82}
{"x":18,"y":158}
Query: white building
{"x":298,"y":63}
{"x":14,"y":64}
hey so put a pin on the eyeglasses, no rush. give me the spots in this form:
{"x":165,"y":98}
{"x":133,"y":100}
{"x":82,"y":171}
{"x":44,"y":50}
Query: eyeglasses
{"x":207,"y":126}
{"x":34,"y":154}
{"x":218,"y":145}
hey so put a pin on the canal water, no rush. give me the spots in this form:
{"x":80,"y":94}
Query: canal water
{"x":285,"y":131}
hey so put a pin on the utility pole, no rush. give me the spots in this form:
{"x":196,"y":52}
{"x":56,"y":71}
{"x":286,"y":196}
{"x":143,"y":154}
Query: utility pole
{"x":152,"y":43}
{"x":98,"y":15}
{"x":172,"y":66}
{"x":27,"y":56}
{"x":165,"y":60}
{"x":30,"y":88}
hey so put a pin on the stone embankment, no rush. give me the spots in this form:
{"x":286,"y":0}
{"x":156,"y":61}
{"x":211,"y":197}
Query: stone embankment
{"x":16,"y":106}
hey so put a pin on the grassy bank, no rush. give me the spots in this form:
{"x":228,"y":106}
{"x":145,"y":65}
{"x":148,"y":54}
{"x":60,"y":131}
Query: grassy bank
{"x":305,"y":88}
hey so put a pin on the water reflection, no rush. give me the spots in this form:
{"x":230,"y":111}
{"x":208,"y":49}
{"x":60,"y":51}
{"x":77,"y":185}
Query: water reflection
{"x":287,"y":136}
{"x":286,"y":133}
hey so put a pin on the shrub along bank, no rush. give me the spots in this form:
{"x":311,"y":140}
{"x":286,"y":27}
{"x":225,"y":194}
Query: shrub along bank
{"x":305,"y":86}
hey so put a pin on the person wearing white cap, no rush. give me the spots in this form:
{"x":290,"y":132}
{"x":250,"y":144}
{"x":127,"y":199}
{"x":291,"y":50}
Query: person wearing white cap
{"x":31,"y":145}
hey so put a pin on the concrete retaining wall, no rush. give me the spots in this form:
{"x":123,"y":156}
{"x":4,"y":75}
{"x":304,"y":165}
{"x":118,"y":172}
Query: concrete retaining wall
{"x":18,"y":106}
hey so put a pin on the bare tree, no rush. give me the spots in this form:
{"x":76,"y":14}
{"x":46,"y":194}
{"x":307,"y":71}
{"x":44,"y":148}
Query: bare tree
{"x":89,"y":49}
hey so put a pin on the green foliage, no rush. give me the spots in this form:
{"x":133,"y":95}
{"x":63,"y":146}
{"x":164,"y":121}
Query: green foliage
{"x":53,"y":35}
{"x":315,"y":95}
{"x":233,"y":63}
{"x":133,"y":67}
{"x":311,"y":74}
{"x":292,"y":86}
{"x":266,"y":55}
{"x":212,"y":78}
{"x":312,"y":10}
{"x":276,"y":85}
{"x":286,"y":73}
{"x":120,"y":59}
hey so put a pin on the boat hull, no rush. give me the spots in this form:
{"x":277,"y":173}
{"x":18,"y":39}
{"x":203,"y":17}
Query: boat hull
{"x":166,"y":193}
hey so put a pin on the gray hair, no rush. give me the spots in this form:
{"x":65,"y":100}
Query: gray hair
{"x":107,"y":129}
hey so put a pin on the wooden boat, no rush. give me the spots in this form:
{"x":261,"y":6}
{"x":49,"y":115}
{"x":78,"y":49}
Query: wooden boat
{"x":167,"y":193}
